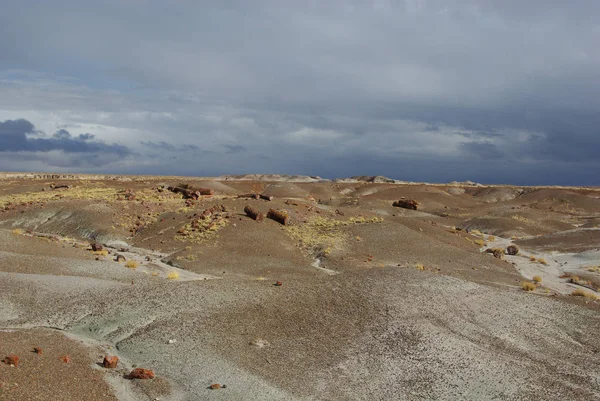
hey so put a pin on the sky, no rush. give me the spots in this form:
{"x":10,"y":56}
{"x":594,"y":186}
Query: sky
{"x":490,"y":91}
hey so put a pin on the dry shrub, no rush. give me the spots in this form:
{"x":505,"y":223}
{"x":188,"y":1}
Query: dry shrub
{"x":532,"y":258}
{"x":17,"y":231}
{"x":173,"y":275}
{"x":480,"y":242}
{"x":528,"y":286}
{"x":103,"y":252}
{"x":420,"y":266}
{"x":537,"y":279}
{"x":581,"y":293}
{"x":132,"y":264}
{"x":543,"y":261}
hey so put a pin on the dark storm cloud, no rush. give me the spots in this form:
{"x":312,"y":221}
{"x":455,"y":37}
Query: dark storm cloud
{"x":169,"y":147}
{"x":234,"y":148}
{"x":482,"y":150}
{"x":314,"y":87}
{"x":14,"y":138}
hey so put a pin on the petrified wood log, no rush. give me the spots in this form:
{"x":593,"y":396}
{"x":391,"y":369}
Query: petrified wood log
{"x":192,"y":193}
{"x":266,"y":197}
{"x":279,"y":216}
{"x":251,"y":196}
{"x":254,"y":214}
{"x":406,"y":203}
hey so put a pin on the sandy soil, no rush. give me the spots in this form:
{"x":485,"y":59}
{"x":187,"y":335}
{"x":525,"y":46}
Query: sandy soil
{"x":375,"y":302}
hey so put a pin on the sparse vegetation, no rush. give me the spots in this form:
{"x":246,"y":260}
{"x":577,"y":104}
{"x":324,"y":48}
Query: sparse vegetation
{"x":480,"y":242}
{"x":532,"y":258}
{"x":581,"y":293}
{"x":543,"y":261}
{"x":528,"y":286}
{"x":17,"y":231}
{"x":103,"y":252}
{"x":173,"y":275}
{"x":132,"y":264}
{"x":420,"y":266}
{"x":537,"y":279}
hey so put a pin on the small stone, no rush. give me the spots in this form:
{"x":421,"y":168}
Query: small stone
{"x":278,"y":284}
{"x":119,"y":258}
{"x":141,"y":373}
{"x":110,"y":362}
{"x":66,"y":359}
{"x":37,"y":350}
{"x":214,"y":386}
{"x":259,"y":343}
{"x":171,"y":341}
{"x":97,"y":247}
{"x":12,"y":360}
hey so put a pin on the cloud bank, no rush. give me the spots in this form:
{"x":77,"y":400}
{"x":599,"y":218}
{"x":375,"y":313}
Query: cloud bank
{"x":416,"y":90}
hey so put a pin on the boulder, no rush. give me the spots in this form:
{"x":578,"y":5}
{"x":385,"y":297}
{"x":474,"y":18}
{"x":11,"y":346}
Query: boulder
{"x":97,"y":247}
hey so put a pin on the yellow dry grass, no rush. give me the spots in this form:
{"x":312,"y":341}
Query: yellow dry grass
{"x":528,"y":286}
{"x":132,"y":264}
{"x":173,"y":275}
{"x":537,"y":279}
{"x":581,"y":293}
{"x":17,"y":231}
{"x":543,"y":261}
{"x":103,"y":252}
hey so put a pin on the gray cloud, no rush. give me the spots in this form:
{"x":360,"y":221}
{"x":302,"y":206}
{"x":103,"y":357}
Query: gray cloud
{"x":21,"y":136}
{"x":312,"y":87}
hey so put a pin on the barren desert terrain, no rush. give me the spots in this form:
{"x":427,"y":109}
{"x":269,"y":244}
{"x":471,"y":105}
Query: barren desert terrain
{"x":296,"y":288}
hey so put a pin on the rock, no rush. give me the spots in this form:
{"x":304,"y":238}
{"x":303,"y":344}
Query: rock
{"x":97,"y":247}
{"x":498,"y":253}
{"x":66,"y":359}
{"x":140,"y":373}
{"x":12,"y":360}
{"x":37,"y":350}
{"x":278,"y":284}
{"x":119,"y":258}
{"x":110,"y":362}
{"x":117,"y":244}
{"x":512,"y":250}
{"x":406,"y":203}
{"x":171,"y":341}
{"x":214,"y":386}
{"x":259,"y":343}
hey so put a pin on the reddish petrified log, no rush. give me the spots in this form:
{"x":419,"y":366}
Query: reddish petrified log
{"x":279,"y":216}
{"x":406,"y":203}
{"x":192,"y":193}
{"x":266,"y":197}
{"x":140,"y":373}
{"x":251,"y":196}
{"x":12,"y":360}
{"x":512,"y":250}
{"x":254,"y":214}
{"x":110,"y":362}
